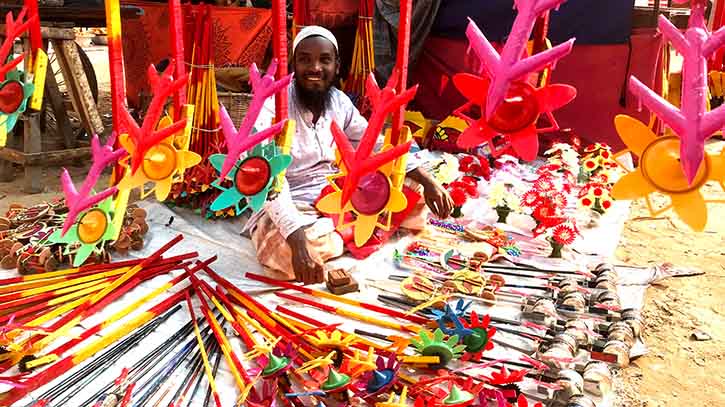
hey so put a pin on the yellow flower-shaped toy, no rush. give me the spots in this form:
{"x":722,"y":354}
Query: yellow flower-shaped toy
{"x":660,"y":171}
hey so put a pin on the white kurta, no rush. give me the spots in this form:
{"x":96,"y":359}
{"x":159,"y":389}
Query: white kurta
{"x":313,"y":156}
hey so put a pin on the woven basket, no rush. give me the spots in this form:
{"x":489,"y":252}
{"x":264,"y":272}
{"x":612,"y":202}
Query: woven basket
{"x":236,"y":104}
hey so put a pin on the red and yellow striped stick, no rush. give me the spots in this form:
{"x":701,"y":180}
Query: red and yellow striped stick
{"x":73,"y":272}
{"x":30,"y":298}
{"x":70,"y":361}
{"x":89,"y":306}
{"x":401,"y":64}
{"x":245,"y":334}
{"x":260,"y":313}
{"x":350,"y":314}
{"x":235,"y":365}
{"x":205,"y":359}
{"x":226,"y":312}
{"x":337,"y":298}
{"x":63,"y":286}
{"x":57,"y":352}
{"x":24,"y":311}
{"x":118,"y":78}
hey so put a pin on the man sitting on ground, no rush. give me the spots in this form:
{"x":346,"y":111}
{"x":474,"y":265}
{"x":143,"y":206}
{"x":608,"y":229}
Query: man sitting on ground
{"x":292,"y":239}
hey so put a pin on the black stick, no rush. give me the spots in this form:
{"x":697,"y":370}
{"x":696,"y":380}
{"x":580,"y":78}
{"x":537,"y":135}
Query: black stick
{"x":148,"y":360}
{"x":97,"y":366}
{"x":214,"y":371}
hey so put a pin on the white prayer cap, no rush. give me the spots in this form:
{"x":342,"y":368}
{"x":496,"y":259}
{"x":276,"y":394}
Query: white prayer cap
{"x":312,"y":31}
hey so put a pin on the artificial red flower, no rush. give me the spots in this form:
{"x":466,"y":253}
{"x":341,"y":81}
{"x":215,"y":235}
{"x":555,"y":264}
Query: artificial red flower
{"x":464,"y":164}
{"x":598,"y":192}
{"x":458,"y":195}
{"x":485,"y":170}
{"x":469,"y":189}
{"x":466,"y":179}
{"x":586,"y":202}
{"x":606,"y":204}
{"x":548,"y":168}
{"x":505,"y":376}
{"x":590,"y":164}
{"x":543,"y":212}
{"x":552,"y":221}
{"x":564,"y":235}
{"x":531,"y":198}
{"x":558,"y":199}
{"x":544,"y":184}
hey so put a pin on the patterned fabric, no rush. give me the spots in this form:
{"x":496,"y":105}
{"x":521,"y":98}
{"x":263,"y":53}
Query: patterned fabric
{"x":240,"y":37}
{"x":275,"y":255}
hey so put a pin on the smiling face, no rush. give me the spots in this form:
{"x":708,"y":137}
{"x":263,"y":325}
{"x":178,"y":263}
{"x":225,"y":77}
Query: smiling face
{"x":315,"y":64}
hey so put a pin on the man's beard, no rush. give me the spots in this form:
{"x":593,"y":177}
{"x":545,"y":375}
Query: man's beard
{"x":313,"y":100}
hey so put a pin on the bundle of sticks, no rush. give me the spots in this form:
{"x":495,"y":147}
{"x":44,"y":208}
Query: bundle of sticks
{"x":363,"y":57}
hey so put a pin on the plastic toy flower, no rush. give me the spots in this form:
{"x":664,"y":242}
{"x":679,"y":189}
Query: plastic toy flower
{"x":436,"y":344}
{"x":504,"y":376}
{"x":515,"y":118}
{"x":252,"y":178}
{"x":480,"y":340}
{"x":531,"y":198}
{"x":89,"y":233}
{"x":660,"y":171}
{"x":564,"y":234}
{"x":14,"y":95}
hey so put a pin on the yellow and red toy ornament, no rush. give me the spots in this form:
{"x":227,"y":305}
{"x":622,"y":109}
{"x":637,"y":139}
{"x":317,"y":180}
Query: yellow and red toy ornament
{"x":660,"y":171}
{"x":509,"y":105}
{"x":370,"y":186}
{"x":158,"y":150}
{"x":20,"y":89}
{"x":677,"y":166}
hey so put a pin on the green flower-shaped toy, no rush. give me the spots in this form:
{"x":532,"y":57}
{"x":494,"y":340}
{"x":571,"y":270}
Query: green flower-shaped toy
{"x":93,"y":227}
{"x":252,"y":178}
{"x":436,"y":344}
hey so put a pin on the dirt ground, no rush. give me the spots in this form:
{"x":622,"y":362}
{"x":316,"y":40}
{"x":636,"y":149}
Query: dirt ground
{"x":678,"y":371}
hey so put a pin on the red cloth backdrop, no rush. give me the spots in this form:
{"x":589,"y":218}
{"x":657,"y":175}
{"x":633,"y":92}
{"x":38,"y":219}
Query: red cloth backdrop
{"x":332,"y":14}
{"x":241,"y":36}
{"x":597,"y":71}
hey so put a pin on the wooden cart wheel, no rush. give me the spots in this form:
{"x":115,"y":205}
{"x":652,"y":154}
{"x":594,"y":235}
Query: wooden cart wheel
{"x":59,"y":121}
{"x":56,"y":95}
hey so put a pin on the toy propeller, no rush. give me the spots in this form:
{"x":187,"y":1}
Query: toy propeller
{"x":360,"y":162}
{"x":508,"y":66}
{"x":240,"y":141}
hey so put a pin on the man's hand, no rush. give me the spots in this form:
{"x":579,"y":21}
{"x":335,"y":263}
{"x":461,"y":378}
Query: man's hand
{"x":307,"y":269}
{"x":438,"y":199}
